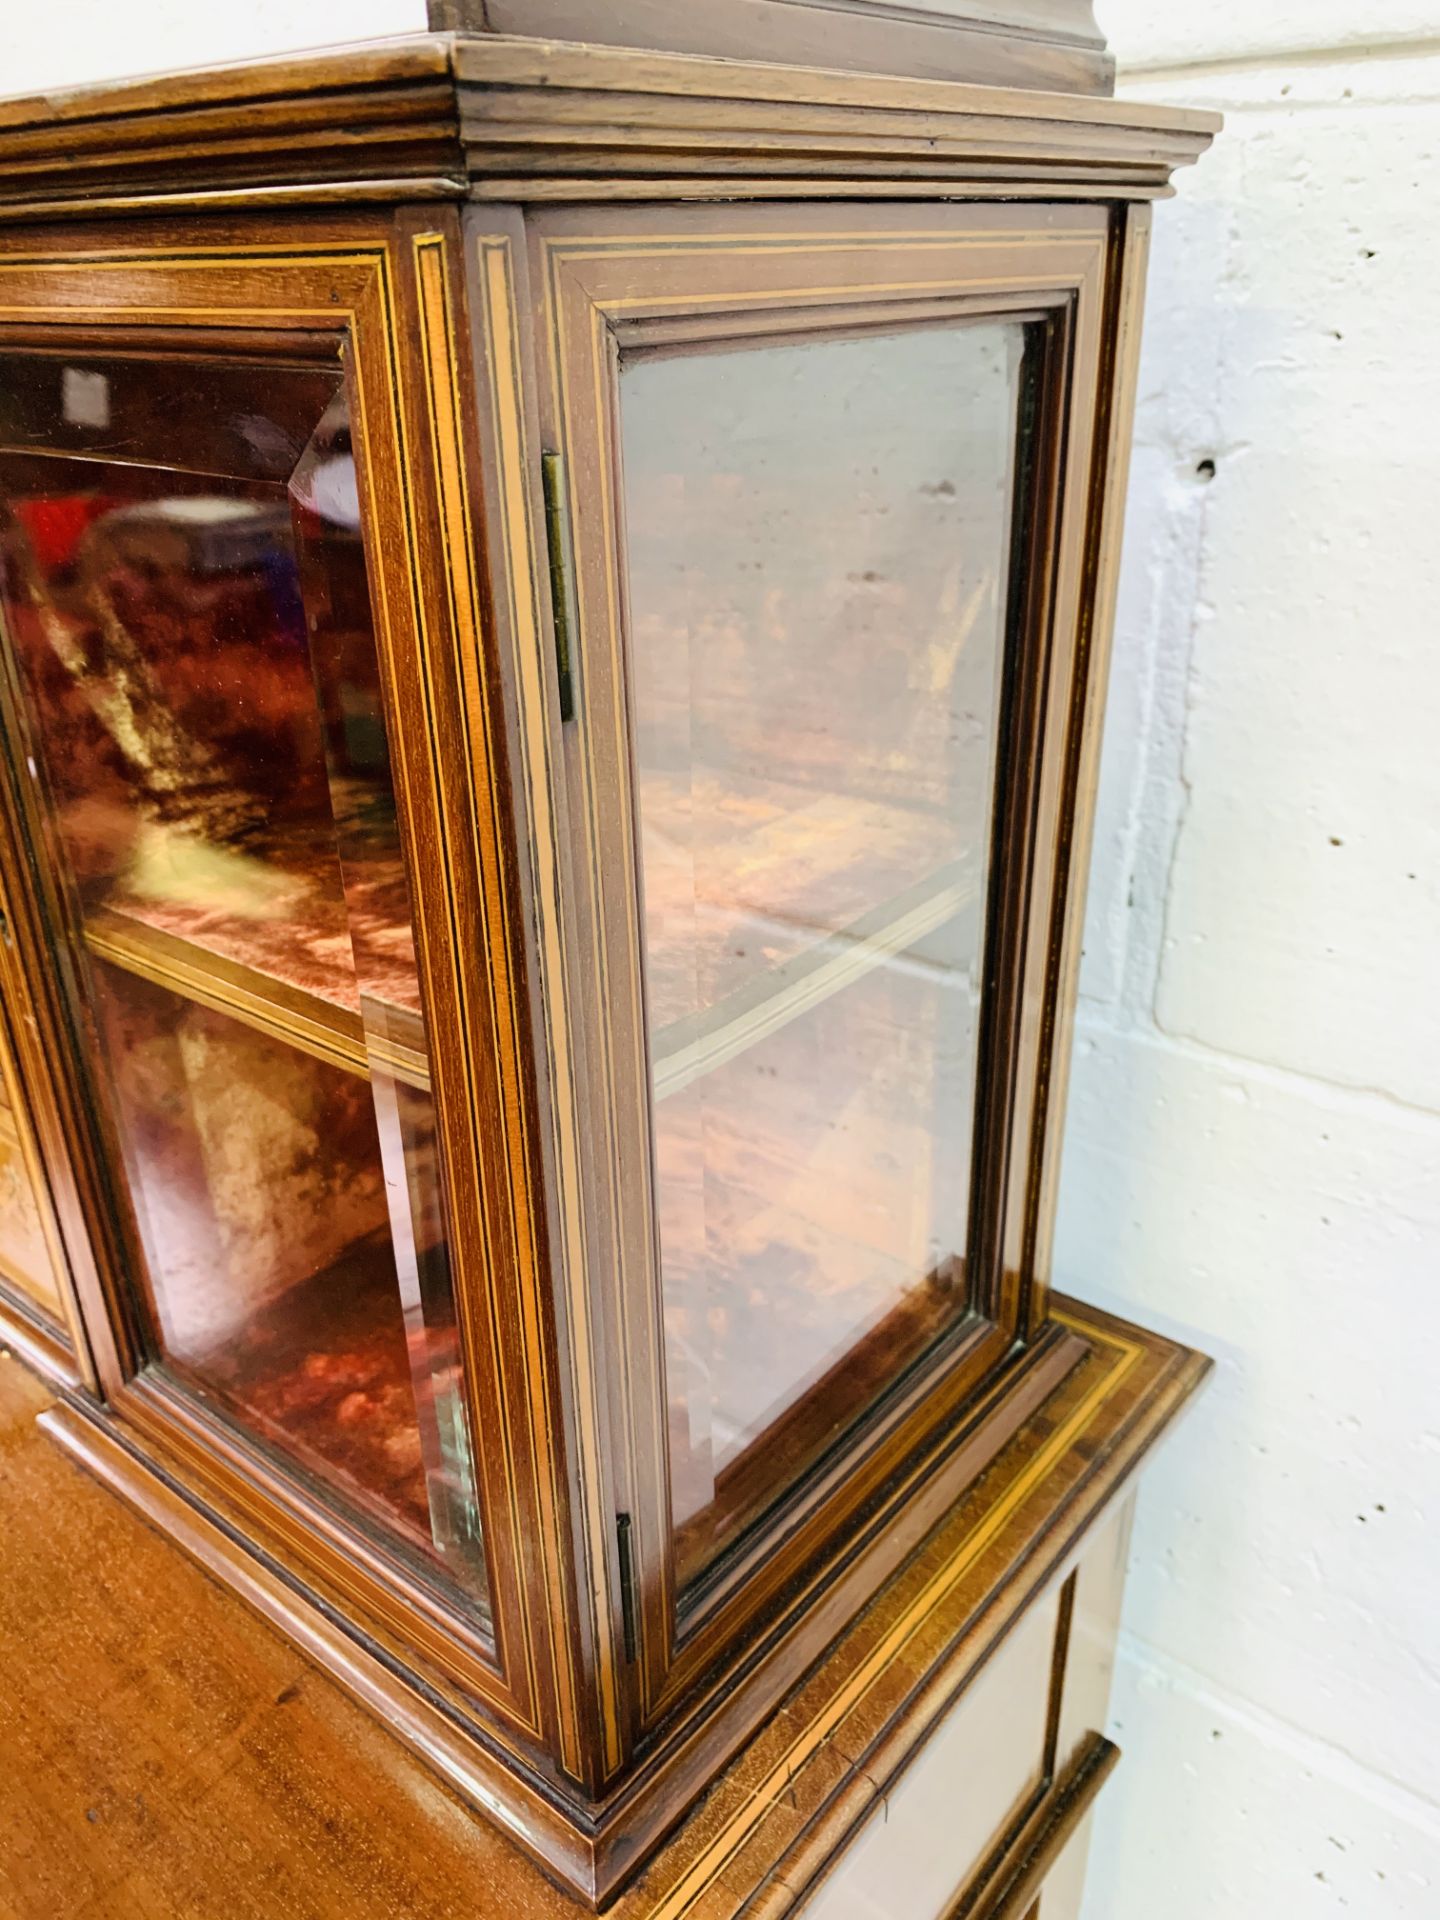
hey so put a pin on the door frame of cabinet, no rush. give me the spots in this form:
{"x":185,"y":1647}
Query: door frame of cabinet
{"x":385,"y":299}
{"x":565,"y":291}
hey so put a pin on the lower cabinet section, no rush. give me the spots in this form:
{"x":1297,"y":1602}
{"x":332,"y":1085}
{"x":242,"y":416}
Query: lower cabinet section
{"x":1063,"y":1894}
{"x":973,"y":1780}
{"x":1045,"y":1873}
{"x":989,"y":1820}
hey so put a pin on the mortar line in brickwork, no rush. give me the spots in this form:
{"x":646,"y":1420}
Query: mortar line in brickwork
{"x":1286,"y":1079}
{"x":1310,"y":1749}
{"x":1375,"y":47}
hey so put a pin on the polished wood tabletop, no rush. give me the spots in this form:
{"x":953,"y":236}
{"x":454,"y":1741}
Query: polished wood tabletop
{"x":163,"y":1753}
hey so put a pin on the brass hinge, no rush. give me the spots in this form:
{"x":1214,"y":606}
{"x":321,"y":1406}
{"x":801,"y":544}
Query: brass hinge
{"x":557,"y":541}
{"x":628,"y":1616}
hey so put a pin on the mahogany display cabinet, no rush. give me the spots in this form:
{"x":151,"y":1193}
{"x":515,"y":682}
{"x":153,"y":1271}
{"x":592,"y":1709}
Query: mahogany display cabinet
{"x":555,"y":601}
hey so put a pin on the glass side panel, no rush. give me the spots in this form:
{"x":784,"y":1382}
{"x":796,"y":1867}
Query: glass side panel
{"x":187,"y":611}
{"x":818,"y":542}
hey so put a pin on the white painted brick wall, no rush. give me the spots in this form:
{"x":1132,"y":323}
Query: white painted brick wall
{"x":1253,"y":1156}
{"x":1254,"y":1143}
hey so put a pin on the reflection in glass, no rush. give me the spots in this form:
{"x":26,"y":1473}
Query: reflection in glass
{"x":25,"y":1258}
{"x":187,"y":611}
{"x":819,"y":540}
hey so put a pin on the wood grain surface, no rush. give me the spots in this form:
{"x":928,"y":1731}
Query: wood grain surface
{"x":165,"y":1753}
{"x":507,"y":118}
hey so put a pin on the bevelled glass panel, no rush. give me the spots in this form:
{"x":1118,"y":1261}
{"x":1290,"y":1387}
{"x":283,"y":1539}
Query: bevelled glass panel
{"x":187,"y":611}
{"x":819,"y":542}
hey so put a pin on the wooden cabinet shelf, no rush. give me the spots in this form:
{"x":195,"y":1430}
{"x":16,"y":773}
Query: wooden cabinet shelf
{"x":753,"y":927}
{"x":791,"y":988}
{"x":780,"y":953}
{"x":314,"y":1022}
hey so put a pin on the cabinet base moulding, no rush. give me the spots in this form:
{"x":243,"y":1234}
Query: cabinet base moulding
{"x":38,"y":1342}
{"x":784,"y":1809}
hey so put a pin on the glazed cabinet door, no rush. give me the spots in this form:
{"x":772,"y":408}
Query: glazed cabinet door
{"x":239,"y":641}
{"x":817,"y":507}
